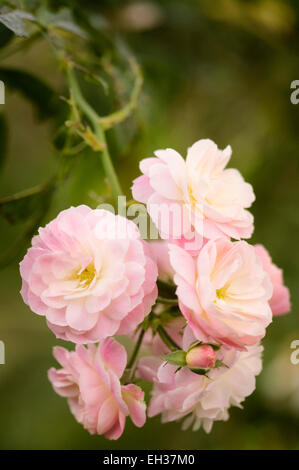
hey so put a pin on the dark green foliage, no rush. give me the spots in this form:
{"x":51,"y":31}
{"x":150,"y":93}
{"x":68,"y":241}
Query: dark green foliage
{"x":40,"y":94}
{"x":3,"y":139}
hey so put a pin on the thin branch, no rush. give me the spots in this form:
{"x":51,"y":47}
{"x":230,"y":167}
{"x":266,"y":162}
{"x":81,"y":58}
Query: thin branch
{"x":167,"y":339}
{"x":122,"y":114}
{"x":136,"y":350}
{"x":98,"y":130}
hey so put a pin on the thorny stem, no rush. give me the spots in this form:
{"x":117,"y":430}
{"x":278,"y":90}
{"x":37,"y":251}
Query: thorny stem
{"x":98,"y":130}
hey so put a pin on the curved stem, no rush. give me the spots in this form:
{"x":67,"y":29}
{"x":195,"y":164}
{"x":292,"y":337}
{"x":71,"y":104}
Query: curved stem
{"x":136,"y":350}
{"x":167,"y":339}
{"x":122,"y":114}
{"x":98,"y":130}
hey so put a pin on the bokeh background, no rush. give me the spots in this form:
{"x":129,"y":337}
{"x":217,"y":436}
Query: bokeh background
{"x":220,"y":70}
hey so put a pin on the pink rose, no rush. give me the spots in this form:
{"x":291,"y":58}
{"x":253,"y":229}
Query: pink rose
{"x":280,"y":300}
{"x":90,"y":274}
{"x":89,"y":379}
{"x":223,"y":292}
{"x":197,"y":197}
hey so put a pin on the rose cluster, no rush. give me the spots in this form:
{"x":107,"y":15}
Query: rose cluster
{"x":197,"y":302}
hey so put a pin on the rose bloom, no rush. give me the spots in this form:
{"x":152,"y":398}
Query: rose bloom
{"x":280,"y":300}
{"x":223,"y":292}
{"x":89,"y":379}
{"x":196,"y":196}
{"x":90,"y":274}
{"x":201,"y":400}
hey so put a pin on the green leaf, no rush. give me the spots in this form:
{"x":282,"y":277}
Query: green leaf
{"x":3,"y":139}
{"x":63,"y":20}
{"x":38,"y":92}
{"x":177,"y":358}
{"x":14,"y":21}
{"x":17,"y":248}
{"x":24,"y":205}
{"x":31,"y":205}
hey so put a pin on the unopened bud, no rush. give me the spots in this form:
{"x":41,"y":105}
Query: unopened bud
{"x":201,"y":357}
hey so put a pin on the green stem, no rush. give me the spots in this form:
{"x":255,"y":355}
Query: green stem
{"x":99,"y":132}
{"x":167,"y":339}
{"x":136,"y":350}
{"x":162,"y":300}
{"x":122,"y":114}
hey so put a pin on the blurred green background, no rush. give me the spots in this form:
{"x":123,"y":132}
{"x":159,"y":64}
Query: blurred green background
{"x":220,"y":70}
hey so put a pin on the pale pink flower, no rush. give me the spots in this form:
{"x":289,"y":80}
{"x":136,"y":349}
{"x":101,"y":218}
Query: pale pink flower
{"x":280,"y":300}
{"x":197,"y":196}
{"x":90,"y":274}
{"x":223,"y":292}
{"x":90,"y":380}
{"x":201,"y":400}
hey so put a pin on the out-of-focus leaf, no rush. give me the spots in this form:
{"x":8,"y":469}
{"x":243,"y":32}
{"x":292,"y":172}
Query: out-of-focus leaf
{"x":15,"y":250}
{"x":3,"y":139}
{"x":30,"y":4}
{"x":28,"y":206}
{"x":24,"y":205}
{"x":14,"y":21}
{"x":63,"y":20}
{"x":5,"y":35}
{"x":34,"y":89}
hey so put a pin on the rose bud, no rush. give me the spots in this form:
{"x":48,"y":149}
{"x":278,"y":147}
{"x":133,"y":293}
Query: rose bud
{"x":201,"y":357}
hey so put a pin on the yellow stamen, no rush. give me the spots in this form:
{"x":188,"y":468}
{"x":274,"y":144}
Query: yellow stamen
{"x":221,"y":293}
{"x":87,"y":275}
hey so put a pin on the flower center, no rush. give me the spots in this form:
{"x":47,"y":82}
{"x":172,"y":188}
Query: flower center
{"x":87,"y":275}
{"x":221,"y":293}
{"x":195,"y":204}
